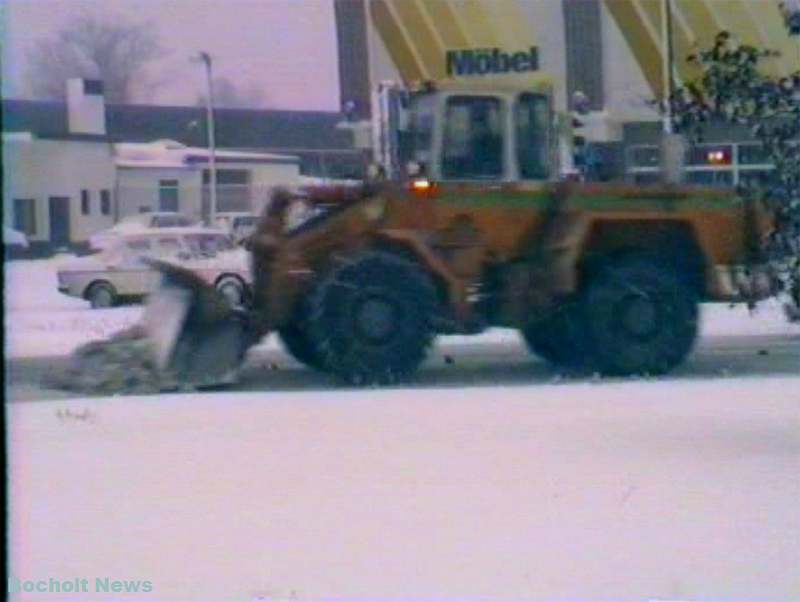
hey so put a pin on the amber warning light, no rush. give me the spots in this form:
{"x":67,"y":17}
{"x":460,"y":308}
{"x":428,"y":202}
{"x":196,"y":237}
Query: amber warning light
{"x":422,"y":188}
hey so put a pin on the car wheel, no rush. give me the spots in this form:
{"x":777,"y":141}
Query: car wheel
{"x":233,"y":290}
{"x":102,"y":295}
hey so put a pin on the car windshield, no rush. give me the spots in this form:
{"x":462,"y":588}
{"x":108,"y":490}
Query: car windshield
{"x":171,"y":221}
{"x":245,"y":221}
{"x":167,"y":247}
{"x":138,"y":245}
{"x":208,"y":245}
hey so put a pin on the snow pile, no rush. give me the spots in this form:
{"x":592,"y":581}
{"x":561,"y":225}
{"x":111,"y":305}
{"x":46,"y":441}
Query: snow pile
{"x":124,"y":364}
{"x":627,"y":491}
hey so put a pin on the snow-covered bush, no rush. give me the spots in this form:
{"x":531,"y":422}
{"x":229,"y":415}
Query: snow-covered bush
{"x":731,"y":87}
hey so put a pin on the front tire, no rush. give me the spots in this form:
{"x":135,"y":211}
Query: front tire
{"x":102,"y":295}
{"x":370,"y":319}
{"x":298,"y":344}
{"x":233,"y":289}
{"x":641,"y":317}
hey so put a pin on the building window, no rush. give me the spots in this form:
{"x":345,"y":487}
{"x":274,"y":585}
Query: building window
{"x":473,"y":139}
{"x":723,"y":164}
{"x":233,"y":190}
{"x":753,"y":154}
{"x":168,"y":195}
{"x":85,"y":202}
{"x":105,"y":202}
{"x":25,"y":216}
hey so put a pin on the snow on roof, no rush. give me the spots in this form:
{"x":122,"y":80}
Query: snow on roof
{"x":173,"y":154}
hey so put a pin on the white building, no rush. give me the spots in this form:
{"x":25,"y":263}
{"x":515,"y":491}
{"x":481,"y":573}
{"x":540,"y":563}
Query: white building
{"x":60,"y":188}
{"x":166,"y":175}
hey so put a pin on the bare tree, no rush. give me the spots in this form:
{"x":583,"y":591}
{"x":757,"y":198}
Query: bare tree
{"x":231,"y":96}
{"x":112,"y":50}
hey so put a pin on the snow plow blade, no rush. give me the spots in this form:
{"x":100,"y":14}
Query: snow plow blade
{"x":198,"y":339}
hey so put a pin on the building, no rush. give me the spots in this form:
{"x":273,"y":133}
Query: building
{"x":611,"y":50}
{"x":74,"y":168}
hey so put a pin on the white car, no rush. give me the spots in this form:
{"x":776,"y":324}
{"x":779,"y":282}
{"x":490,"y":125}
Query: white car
{"x":139,"y":222}
{"x":239,"y":225}
{"x":118,"y":273}
{"x":14,"y":238}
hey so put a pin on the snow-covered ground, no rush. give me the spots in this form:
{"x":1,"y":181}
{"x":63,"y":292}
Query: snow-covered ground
{"x":635,"y":491}
{"x":669,"y":489}
{"x":40,"y":321}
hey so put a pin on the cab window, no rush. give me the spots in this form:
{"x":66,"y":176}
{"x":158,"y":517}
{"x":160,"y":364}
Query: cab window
{"x":472,"y":148}
{"x":532,"y":123}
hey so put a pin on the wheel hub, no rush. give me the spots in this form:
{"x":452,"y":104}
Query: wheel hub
{"x":376,"y":319}
{"x":102,"y":298}
{"x":639,"y":317}
{"x":232,"y":294}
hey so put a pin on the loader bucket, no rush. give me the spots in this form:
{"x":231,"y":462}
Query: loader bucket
{"x":198,"y":339}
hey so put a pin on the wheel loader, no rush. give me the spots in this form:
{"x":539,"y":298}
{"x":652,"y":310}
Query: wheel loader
{"x":473,"y":230}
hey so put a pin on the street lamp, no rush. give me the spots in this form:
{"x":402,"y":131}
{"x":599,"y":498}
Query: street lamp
{"x":205,"y":58}
{"x":666,"y":64}
{"x":673,"y":146}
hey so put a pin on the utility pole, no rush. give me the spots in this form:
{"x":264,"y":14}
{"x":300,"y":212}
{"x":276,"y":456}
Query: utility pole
{"x":205,"y":58}
{"x":666,"y":63}
{"x":673,"y":147}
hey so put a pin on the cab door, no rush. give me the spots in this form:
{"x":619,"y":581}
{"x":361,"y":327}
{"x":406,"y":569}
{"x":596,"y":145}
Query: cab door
{"x":478,"y":182}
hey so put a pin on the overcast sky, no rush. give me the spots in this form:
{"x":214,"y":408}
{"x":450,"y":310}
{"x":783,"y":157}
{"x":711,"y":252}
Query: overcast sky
{"x":286,"y":48}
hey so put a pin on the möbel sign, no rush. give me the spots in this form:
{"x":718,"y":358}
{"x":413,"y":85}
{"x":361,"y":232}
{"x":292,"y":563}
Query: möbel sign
{"x":485,"y":61}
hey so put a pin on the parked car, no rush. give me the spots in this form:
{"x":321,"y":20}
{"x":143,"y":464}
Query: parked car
{"x":139,"y":222}
{"x":118,"y":273}
{"x":14,"y":239}
{"x":239,"y":225}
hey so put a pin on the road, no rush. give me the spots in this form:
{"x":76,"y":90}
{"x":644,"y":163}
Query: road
{"x":684,"y":488}
{"x":484,"y":362}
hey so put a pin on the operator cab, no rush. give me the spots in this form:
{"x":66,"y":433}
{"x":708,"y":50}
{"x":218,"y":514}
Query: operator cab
{"x":474,"y":135}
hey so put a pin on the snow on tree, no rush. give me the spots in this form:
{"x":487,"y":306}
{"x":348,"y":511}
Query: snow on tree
{"x":731,"y":87}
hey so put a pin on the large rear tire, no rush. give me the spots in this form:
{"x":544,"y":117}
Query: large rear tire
{"x":370,"y":319}
{"x":560,"y":338}
{"x":641,"y":316}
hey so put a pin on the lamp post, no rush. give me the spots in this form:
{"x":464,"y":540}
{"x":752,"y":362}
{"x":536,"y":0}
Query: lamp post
{"x":205,"y":58}
{"x":666,"y":71}
{"x":673,"y":146}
